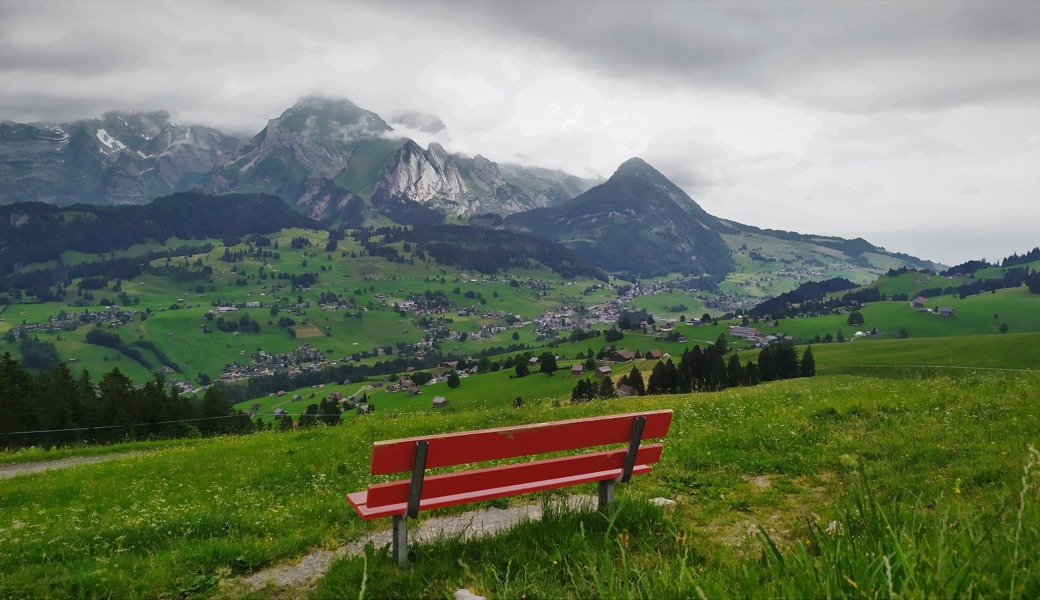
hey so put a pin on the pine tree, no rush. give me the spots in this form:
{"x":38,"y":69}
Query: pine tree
{"x":635,"y":381}
{"x":808,"y":368}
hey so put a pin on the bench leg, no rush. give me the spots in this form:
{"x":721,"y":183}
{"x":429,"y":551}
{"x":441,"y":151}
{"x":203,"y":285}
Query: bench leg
{"x":400,"y":544}
{"x":606,"y":494}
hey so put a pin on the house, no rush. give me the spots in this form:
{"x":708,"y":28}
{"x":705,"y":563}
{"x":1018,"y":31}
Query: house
{"x":653,"y":354}
{"x":625,"y":390}
{"x":946,"y":311}
{"x":604,"y":371}
{"x":919,"y":302}
{"x":623,"y":356}
{"x":577,"y":370}
{"x":439,"y":401}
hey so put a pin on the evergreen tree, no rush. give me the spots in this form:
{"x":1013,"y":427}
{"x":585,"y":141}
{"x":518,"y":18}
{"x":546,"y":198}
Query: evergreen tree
{"x":453,"y":380}
{"x":788,"y":361}
{"x":808,"y":368}
{"x":584,"y":391}
{"x":734,"y":372}
{"x":751,"y":375}
{"x":635,"y":381}
{"x":606,"y":388}
{"x":521,"y":368}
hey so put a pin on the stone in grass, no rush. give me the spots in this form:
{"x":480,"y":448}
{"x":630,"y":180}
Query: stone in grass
{"x":663,"y":502}
{"x":464,"y":594}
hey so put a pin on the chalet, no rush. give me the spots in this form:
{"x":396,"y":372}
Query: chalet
{"x":946,"y":311}
{"x":625,"y":391}
{"x":919,"y":302}
{"x":653,"y":354}
{"x":534,"y":360}
{"x":604,"y":371}
{"x":439,"y":401}
{"x":623,"y":356}
{"x":577,"y":370}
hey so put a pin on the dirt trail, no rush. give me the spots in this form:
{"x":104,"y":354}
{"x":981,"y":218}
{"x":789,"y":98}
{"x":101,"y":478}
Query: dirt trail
{"x":294,"y":579}
{"x":7,"y":471}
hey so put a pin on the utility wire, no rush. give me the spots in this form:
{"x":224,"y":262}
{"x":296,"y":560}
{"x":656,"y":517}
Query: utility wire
{"x":67,"y":429}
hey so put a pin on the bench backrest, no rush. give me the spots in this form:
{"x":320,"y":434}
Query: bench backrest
{"x":397,"y":456}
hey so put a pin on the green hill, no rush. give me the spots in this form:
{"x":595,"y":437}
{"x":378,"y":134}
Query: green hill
{"x":823,"y":466}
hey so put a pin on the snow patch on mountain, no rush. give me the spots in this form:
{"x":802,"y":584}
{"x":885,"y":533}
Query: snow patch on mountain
{"x":110,"y":142}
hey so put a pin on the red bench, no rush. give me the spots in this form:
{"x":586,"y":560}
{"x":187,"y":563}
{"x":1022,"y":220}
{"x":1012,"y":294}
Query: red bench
{"x":406,"y":497}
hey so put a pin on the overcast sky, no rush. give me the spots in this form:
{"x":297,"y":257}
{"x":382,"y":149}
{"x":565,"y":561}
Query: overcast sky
{"x":913,"y":125}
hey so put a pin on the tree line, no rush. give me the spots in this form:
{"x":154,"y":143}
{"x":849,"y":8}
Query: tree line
{"x":55,"y":407}
{"x":706,"y":371}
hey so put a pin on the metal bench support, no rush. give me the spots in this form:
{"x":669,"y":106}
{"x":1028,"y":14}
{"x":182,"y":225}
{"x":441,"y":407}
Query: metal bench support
{"x":606,"y":488}
{"x":400,"y":542}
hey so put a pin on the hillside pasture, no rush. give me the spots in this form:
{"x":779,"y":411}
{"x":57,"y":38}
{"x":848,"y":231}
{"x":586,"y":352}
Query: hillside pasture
{"x":789,"y":457}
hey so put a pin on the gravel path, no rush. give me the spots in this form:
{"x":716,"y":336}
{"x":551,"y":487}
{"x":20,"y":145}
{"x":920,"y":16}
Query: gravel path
{"x":7,"y":471}
{"x":290,"y":580}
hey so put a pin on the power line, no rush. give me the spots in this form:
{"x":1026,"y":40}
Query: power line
{"x":71,"y":429}
{"x":118,"y":426}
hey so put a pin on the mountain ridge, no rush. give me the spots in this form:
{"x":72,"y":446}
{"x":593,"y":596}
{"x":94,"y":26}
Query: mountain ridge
{"x":636,"y":221}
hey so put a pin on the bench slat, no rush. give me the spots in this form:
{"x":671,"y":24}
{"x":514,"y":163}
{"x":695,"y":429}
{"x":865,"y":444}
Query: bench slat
{"x":357,"y":499}
{"x":395,"y":456}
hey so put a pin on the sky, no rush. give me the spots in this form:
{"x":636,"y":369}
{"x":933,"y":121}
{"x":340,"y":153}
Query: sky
{"x":915,"y":125}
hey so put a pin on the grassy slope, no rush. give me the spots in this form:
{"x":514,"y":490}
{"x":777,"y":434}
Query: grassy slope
{"x":178,"y":307}
{"x":776,"y":455}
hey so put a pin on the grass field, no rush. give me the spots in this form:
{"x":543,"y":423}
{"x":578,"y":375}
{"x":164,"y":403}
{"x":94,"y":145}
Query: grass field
{"x":789,"y":458}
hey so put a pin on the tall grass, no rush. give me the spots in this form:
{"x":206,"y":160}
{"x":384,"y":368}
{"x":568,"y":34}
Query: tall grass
{"x":938,"y":548}
{"x":944,"y":457}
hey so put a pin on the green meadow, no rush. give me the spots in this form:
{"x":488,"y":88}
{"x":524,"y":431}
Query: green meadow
{"x":904,"y":469}
{"x":802,"y":488}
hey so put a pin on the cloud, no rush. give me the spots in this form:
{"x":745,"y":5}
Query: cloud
{"x":812,"y":116}
{"x":849,"y":51}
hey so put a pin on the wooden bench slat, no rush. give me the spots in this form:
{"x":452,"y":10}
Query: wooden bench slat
{"x":357,"y":499}
{"x":448,"y":484}
{"x":395,"y":456}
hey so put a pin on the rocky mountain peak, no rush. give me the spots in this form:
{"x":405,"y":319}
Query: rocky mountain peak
{"x":331,"y":120}
{"x":420,"y":175}
{"x":637,"y":167}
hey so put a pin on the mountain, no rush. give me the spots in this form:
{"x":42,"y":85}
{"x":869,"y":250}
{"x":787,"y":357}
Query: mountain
{"x":327,"y":157}
{"x":120,"y":158}
{"x":637,"y":221}
{"x":340,"y":163}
